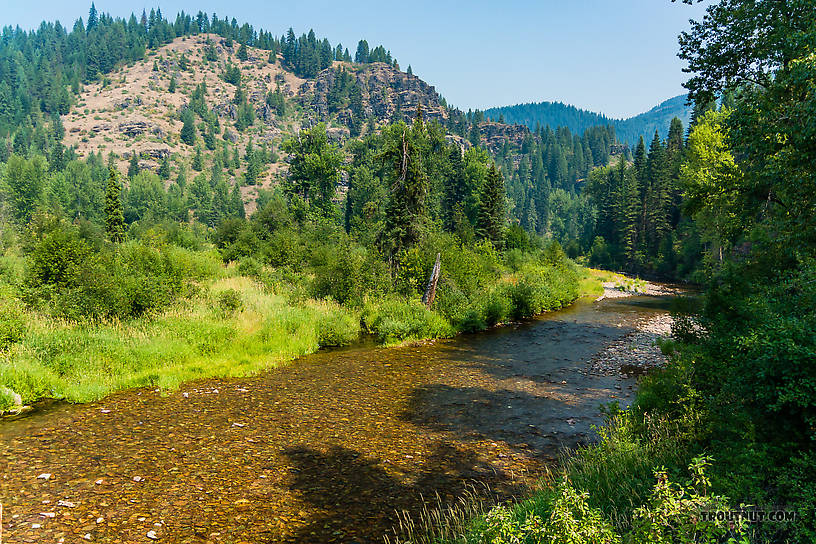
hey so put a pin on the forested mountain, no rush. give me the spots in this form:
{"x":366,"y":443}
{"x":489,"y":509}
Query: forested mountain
{"x":557,"y":114}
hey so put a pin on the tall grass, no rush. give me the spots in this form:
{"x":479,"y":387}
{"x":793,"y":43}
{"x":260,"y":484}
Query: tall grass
{"x":193,"y":339}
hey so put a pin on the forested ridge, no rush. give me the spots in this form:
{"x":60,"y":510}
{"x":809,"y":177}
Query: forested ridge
{"x":557,"y":114}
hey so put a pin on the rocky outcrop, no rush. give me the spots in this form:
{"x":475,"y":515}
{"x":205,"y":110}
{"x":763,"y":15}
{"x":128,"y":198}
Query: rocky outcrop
{"x":387,"y":94}
{"x":136,"y":128}
{"x":493,"y":135}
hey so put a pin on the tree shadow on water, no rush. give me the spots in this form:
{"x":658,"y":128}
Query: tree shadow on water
{"x":352,"y":498}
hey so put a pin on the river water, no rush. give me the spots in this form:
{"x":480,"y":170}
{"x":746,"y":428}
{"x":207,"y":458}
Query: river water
{"x":325,"y":449}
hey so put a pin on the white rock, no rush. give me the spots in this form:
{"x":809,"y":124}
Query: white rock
{"x":186,"y":395}
{"x":152,"y":535}
{"x":44,"y":476}
{"x":66,"y":504}
{"x":35,"y":525}
{"x":47,"y":514}
{"x":100,"y":481}
{"x":138,"y":479}
{"x":238,"y":425}
{"x":87,"y":536}
{"x":100,"y":520}
{"x":105,"y":411}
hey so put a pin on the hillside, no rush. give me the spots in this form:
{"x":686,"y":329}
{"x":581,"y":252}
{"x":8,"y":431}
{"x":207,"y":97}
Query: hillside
{"x":135,"y":111}
{"x":557,"y":114}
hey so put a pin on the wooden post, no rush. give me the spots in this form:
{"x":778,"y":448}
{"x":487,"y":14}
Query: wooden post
{"x":430,"y":290}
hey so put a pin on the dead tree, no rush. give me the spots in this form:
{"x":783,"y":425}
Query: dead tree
{"x":430,"y":290}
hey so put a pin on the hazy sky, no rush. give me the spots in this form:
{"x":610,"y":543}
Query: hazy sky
{"x":619,"y":58}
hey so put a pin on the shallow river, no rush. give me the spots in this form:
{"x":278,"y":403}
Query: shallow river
{"x":325,"y":449}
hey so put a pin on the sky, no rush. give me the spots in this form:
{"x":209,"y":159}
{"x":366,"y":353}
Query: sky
{"x":616,"y":58}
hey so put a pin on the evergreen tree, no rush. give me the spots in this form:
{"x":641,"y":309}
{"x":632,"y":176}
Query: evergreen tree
{"x":171,"y":87}
{"x":114,"y":219}
{"x":406,"y":210}
{"x":243,"y":54}
{"x":164,"y":167}
{"x":198,"y":160}
{"x":188,"y":131}
{"x":492,"y":207}
{"x":93,"y":18}
{"x":133,"y":165}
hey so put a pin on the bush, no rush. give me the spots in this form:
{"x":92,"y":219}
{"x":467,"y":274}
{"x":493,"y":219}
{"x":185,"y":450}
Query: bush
{"x":249,"y":267}
{"x":348,"y":274}
{"x":12,"y":324}
{"x":229,"y":301}
{"x":121,"y":281}
{"x":395,"y":320}
{"x":337,"y":328}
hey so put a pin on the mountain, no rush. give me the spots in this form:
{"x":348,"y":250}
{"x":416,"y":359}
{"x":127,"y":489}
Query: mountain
{"x":557,"y":114}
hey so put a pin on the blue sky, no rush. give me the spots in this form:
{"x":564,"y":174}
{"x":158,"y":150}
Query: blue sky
{"x":618,"y":58}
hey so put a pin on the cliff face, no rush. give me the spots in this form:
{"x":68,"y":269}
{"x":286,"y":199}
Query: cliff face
{"x":386,"y":94}
{"x":493,"y":135}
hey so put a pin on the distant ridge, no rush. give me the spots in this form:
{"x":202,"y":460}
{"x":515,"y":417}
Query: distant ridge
{"x":558,"y":114}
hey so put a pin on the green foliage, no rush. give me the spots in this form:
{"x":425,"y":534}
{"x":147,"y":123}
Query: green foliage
{"x":12,"y":324}
{"x":314,"y":168}
{"x":24,"y":180}
{"x":394,"y":320}
{"x":188,"y":130}
{"x":229,"y":301}
{"x":114,"y":219}
{"x":492,"y":208}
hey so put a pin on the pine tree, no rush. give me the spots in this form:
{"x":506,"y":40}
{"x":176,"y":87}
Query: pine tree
{"x":188,"y":131}
{"x":114,"y":219}
{"x":93,"y":18}
{"x":243,"y":54}
{"x":660,"y":200}
{"x":492,"y":207}
{"x":237,"y":202}
{"x":171,"y":88}
{"x":133,"y":165}
{"x":198,"y":160}
{"x":406,"y":208}
{"x":164,"y":168}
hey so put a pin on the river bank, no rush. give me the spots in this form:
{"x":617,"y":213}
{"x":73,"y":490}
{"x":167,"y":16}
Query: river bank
{"x":323,"y":451}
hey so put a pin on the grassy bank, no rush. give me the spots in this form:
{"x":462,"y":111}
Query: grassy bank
{"x":153,"y":313}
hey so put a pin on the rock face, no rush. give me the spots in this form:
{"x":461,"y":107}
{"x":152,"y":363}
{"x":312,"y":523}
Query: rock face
{"x":493,"y":135}
{"x":387,"y":94}
{"x":135,"y":128}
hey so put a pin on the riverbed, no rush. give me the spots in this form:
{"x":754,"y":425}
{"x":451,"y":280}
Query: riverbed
{"x":326,"y":449}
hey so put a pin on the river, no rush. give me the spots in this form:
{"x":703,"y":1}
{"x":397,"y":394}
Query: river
{"x":325,"y":449}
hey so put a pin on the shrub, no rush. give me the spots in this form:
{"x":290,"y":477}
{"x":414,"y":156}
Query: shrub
{"x":497,"y":308}
{"x":12,"y":324}
{"x":395,"y":320}
{"x":348,"y":274}
{"x":229,"y":301}
{"x":9,"y":399}
{"x":337,"y":328}
{"x":249,"y":267}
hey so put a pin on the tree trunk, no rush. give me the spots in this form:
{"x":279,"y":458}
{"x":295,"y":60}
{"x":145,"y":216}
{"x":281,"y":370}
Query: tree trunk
{"x":430,"y":290}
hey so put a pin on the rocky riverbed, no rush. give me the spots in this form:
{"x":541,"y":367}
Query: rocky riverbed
{"x":637,"y":352}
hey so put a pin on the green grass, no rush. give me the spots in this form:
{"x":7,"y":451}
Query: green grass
{"x":82,"y":362}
